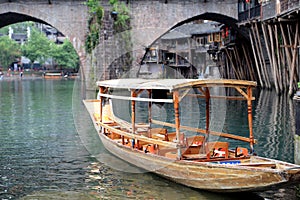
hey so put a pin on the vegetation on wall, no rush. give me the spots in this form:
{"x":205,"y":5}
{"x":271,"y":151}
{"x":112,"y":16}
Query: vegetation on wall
{"x":122,"y":20}
{"x":121,"y":16}
{"x":96,"y":12}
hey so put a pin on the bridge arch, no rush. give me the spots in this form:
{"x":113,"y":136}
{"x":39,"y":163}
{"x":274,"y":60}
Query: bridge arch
{"x":149,"y":19}
{"x":12,"y":18}
{"x":154,"y":18}
{"x":223,"y":19}
{"x":69,"y":17}
{"x":227,"y":51}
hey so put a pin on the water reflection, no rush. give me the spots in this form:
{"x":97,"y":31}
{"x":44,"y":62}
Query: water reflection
{"x":39,"y":147}
{"x":266,"y":127}
{"x":274,"y":125}
{"x":146,"y":186}
{"x":46,"y":153}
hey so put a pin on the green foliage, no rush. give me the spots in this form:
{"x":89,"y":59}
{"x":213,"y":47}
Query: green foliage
{"x":112,"y":2}
{"x":92,"y":5}
{"x":4,"y":30}
{"x":122,"y":21}
{"x":65,"y":55}
{"x":40,"y":48}
{"x":121,"y":24}
{"x":37,"y":48}
{"x":9,"y":51}
{"x":96,"y":14}
{"x":18,"y":27}
{"x":92,"y":39}
{"x":99,"y":14}
{"x":96,"y":11}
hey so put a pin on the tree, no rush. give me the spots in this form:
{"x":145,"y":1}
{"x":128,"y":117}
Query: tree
{"x":9,"y":51}
{"x":65,"y":55}
{"x":38,"y":47}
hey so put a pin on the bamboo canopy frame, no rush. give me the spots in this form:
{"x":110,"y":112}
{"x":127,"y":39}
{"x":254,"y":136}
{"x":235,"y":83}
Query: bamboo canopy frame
{"x":191,"y":160}
{"x":174,"y":86}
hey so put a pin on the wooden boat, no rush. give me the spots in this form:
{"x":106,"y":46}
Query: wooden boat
{"x":53,"y":75}
{"x":58,"y":75}
{"x":194,"y":161}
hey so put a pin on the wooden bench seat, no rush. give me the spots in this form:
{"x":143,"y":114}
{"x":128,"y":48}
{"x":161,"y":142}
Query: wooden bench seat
{"x":194,"y":146}
{"x":158,"y":133}
{"x":194,"y":156}
{"x":217,"y":149}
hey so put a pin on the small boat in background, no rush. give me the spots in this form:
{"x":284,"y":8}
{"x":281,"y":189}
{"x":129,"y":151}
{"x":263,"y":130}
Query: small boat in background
{"x":52,"y":75}
{"x":207,"y":160}
{"x":58,"y":75}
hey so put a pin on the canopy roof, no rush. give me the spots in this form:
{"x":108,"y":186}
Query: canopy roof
{"x":172,"y":84}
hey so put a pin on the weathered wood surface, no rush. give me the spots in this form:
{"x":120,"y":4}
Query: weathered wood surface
{"x":275,"y":48}
{"x":254,"y":173}
{"x":188,"y":128}
{"x":173,"y":84}
{"x":208,"y":175}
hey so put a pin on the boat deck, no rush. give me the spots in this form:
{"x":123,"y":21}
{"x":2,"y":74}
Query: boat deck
{"x":194,"y":161}
{"x":158,"y":141}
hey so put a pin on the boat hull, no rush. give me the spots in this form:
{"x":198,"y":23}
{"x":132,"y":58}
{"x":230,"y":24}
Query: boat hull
{"x":203,"y":175}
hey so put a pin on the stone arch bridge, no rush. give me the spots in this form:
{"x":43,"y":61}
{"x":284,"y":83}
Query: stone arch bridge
{"x":149,"y":19}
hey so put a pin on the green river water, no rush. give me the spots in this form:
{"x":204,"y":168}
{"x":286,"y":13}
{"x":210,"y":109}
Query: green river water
{"x":50,"y":150}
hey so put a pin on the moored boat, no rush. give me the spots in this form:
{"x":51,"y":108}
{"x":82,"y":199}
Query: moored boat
{"x":59,"y":75}
{"x":196,"y":157}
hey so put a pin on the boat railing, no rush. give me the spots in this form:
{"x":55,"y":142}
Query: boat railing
{"x":203,"y":131}
{"x":138,"y":136}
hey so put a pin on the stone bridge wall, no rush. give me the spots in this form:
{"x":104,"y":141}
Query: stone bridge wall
{"x":149,"y":20}
{"x":152,"y":19}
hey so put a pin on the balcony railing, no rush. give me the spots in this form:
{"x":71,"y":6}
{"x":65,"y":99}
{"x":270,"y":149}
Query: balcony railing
{"x":252,"y":13}
{"x":286,"y":5}
{"x":268,"y":10}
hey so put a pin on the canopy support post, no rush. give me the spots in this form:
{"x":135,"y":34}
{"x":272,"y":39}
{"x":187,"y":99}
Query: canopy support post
{"x":207,"y":99}
{"x":133,"y":94}
{"x":177,"y":122}
{"x":250,"y":119}
{"x":101,"y":90}
{"x":149,"y":107}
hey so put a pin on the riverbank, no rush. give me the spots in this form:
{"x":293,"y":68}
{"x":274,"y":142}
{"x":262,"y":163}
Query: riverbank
{"x":12,"y":75}
{"x":33,"y":75}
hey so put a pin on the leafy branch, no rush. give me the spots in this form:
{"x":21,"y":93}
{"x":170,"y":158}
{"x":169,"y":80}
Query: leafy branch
{"x":96,"y":12}
{"x":122,"y":21}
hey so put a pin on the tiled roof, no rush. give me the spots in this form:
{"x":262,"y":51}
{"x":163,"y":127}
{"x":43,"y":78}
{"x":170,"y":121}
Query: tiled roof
{"x":187,"y":30}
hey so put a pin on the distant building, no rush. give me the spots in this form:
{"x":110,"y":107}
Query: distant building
{"x":19,"y":37}
{"x":51,"y":33}
{"x":187,"y":50}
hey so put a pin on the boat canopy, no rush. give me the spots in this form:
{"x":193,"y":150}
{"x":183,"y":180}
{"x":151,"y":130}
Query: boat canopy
{"x":136,"y":86}
{"x":173,"y":84}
